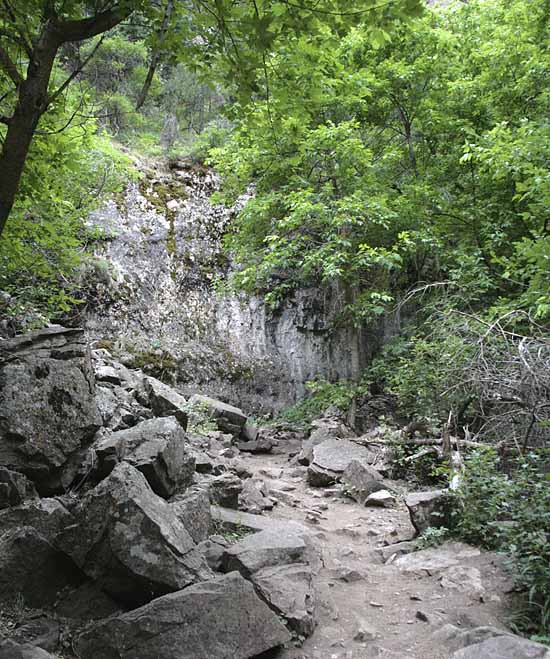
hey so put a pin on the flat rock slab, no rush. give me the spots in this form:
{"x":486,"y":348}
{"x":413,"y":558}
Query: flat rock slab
{"x":270,"y":548}
{"x":234,"y":519}
{"x":131,"y":541}
{"x":436,"y":559}
{"x":218,"y":619}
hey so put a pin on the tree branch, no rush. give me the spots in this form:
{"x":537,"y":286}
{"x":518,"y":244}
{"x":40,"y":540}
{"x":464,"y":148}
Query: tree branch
{"x":87,"y":28}
{"x":78,"y":69}
{"x":9,"y":68}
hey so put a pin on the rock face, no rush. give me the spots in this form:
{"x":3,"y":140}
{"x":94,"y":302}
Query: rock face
{"x":47,"y":406}
{"x":165,"y":249}
{"x":156,"y":447}
{"x":331,"y":458}
{"x":219,"y":619}
{"x":427,"y":509}
{"x":131,"y":541}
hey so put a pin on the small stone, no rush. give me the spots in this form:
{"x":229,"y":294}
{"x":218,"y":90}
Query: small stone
{"x":376,"y":605}
{"x":364,"y":634}
{"x":420,"y":615}
{"x":381,"y":498}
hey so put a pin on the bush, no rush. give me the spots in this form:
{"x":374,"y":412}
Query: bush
{"x":511,"y":513}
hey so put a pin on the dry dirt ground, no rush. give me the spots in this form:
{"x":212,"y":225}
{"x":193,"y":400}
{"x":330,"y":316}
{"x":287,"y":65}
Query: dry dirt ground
{"x":370,"y":607}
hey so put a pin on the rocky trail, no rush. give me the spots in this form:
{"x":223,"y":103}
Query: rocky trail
{"x":126,"y":534}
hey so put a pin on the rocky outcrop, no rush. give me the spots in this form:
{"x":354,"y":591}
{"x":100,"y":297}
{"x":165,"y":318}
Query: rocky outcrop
{"x":218,"y":619}
{"x":130,"y":540}
{"x":47,"y":407}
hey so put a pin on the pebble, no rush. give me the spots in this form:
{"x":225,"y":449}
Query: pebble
{"x":377,"y":605}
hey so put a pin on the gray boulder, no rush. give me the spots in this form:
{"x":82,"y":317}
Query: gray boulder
{"x":259,"y":445}
{"x":427,"y":509}
{"x":506,"y":646}
{"x":361,"y":480}
{"x":323,"y":429}
{"x":30,"y":567}
{"x":15,"y":488}
{"x":156,"y":447}
{"x":11,"y":650}
{"x":225,"y":490}
{"x":219,"y":619}
{"x":48,"y":409}
{"x":193,"y":510}
{"x":47,"y":516}
{"x":131,"y":541}
{"x":165,"y":401}
{"x":288,"y":590}
{"x":331,"y":458}
{"x":228,"y":418}
{"x":253,"y":499}
{"x":282,"y":545}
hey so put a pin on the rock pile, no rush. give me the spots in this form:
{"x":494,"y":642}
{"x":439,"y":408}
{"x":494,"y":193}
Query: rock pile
{"x":105,"y":515}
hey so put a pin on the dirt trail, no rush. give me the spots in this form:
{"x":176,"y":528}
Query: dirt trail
{"x":366,"y":607}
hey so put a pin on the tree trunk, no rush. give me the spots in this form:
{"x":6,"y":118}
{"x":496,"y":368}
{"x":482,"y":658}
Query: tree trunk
{"x":31,"y":105}
{"x":155,"y":57}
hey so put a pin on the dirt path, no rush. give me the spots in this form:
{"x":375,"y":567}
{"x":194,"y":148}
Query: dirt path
{"x":367,"y":607}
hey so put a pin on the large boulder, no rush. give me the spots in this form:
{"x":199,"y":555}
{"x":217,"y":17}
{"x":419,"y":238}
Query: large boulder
{"x":427,"y":509}
{"x":14,"y":488}
{"x":288,"y":590}
{"x":165,"y":401}
{"x":228,"y":418}
{"x":156,"y":447}
{"x":506,"y":646}
{"x":281,"y":545}
{"x":193,"y":510}
{"x":331,"y":458}
{"x":47,"y":405}
{"x":30,"y":567}
{"x":329,"y":426}
{"x":361,"y":480}
{"x":131,"y":541}
{"x":47,"y":516}
{"x":219,"y":619}
{"x":11,"y":650}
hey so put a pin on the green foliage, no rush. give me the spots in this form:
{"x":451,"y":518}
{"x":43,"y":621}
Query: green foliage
{"x":322,"y":395}
{"x":45,"y":242}
{"x":380,"y":163}
{"x":201,"y":420}
{"x":432,"y":537}
{"x":512,"y":513}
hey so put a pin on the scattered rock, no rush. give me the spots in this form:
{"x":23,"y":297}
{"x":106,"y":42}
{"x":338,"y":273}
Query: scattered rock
{"x":427,"y":509}
{"x":503,"y":647}
{"x":361,"y":480}
{"x":47,"y":516}
{"x":288,"y":590}
{"x":219,"y":619}
{"x":228,"y":418}
{"x":165,"y":401}
{"x":364,"y":634}
{"x":381,"y":498}
{"x":260,"y":445}
{"x":212,"y":549}
{"x":193,"y":510}
{"x":347,"y":574}
{"x":131,"y":541}
{"x":252,"y":498}
{"x":47,"y":402}
{"x":282,"y":545}
{"x":40,"y":630}
{"x":436,"y":559}
{"x":225,"y":490}
{"x":330,"y":459}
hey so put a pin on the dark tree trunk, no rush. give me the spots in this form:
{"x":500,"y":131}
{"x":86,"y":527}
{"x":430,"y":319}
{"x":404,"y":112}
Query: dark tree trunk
{"x":31,"y":104}
{"x":155,"y":56}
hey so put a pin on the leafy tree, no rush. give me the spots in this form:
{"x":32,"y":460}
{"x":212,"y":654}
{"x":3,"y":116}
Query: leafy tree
{"x":233,"y":37}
